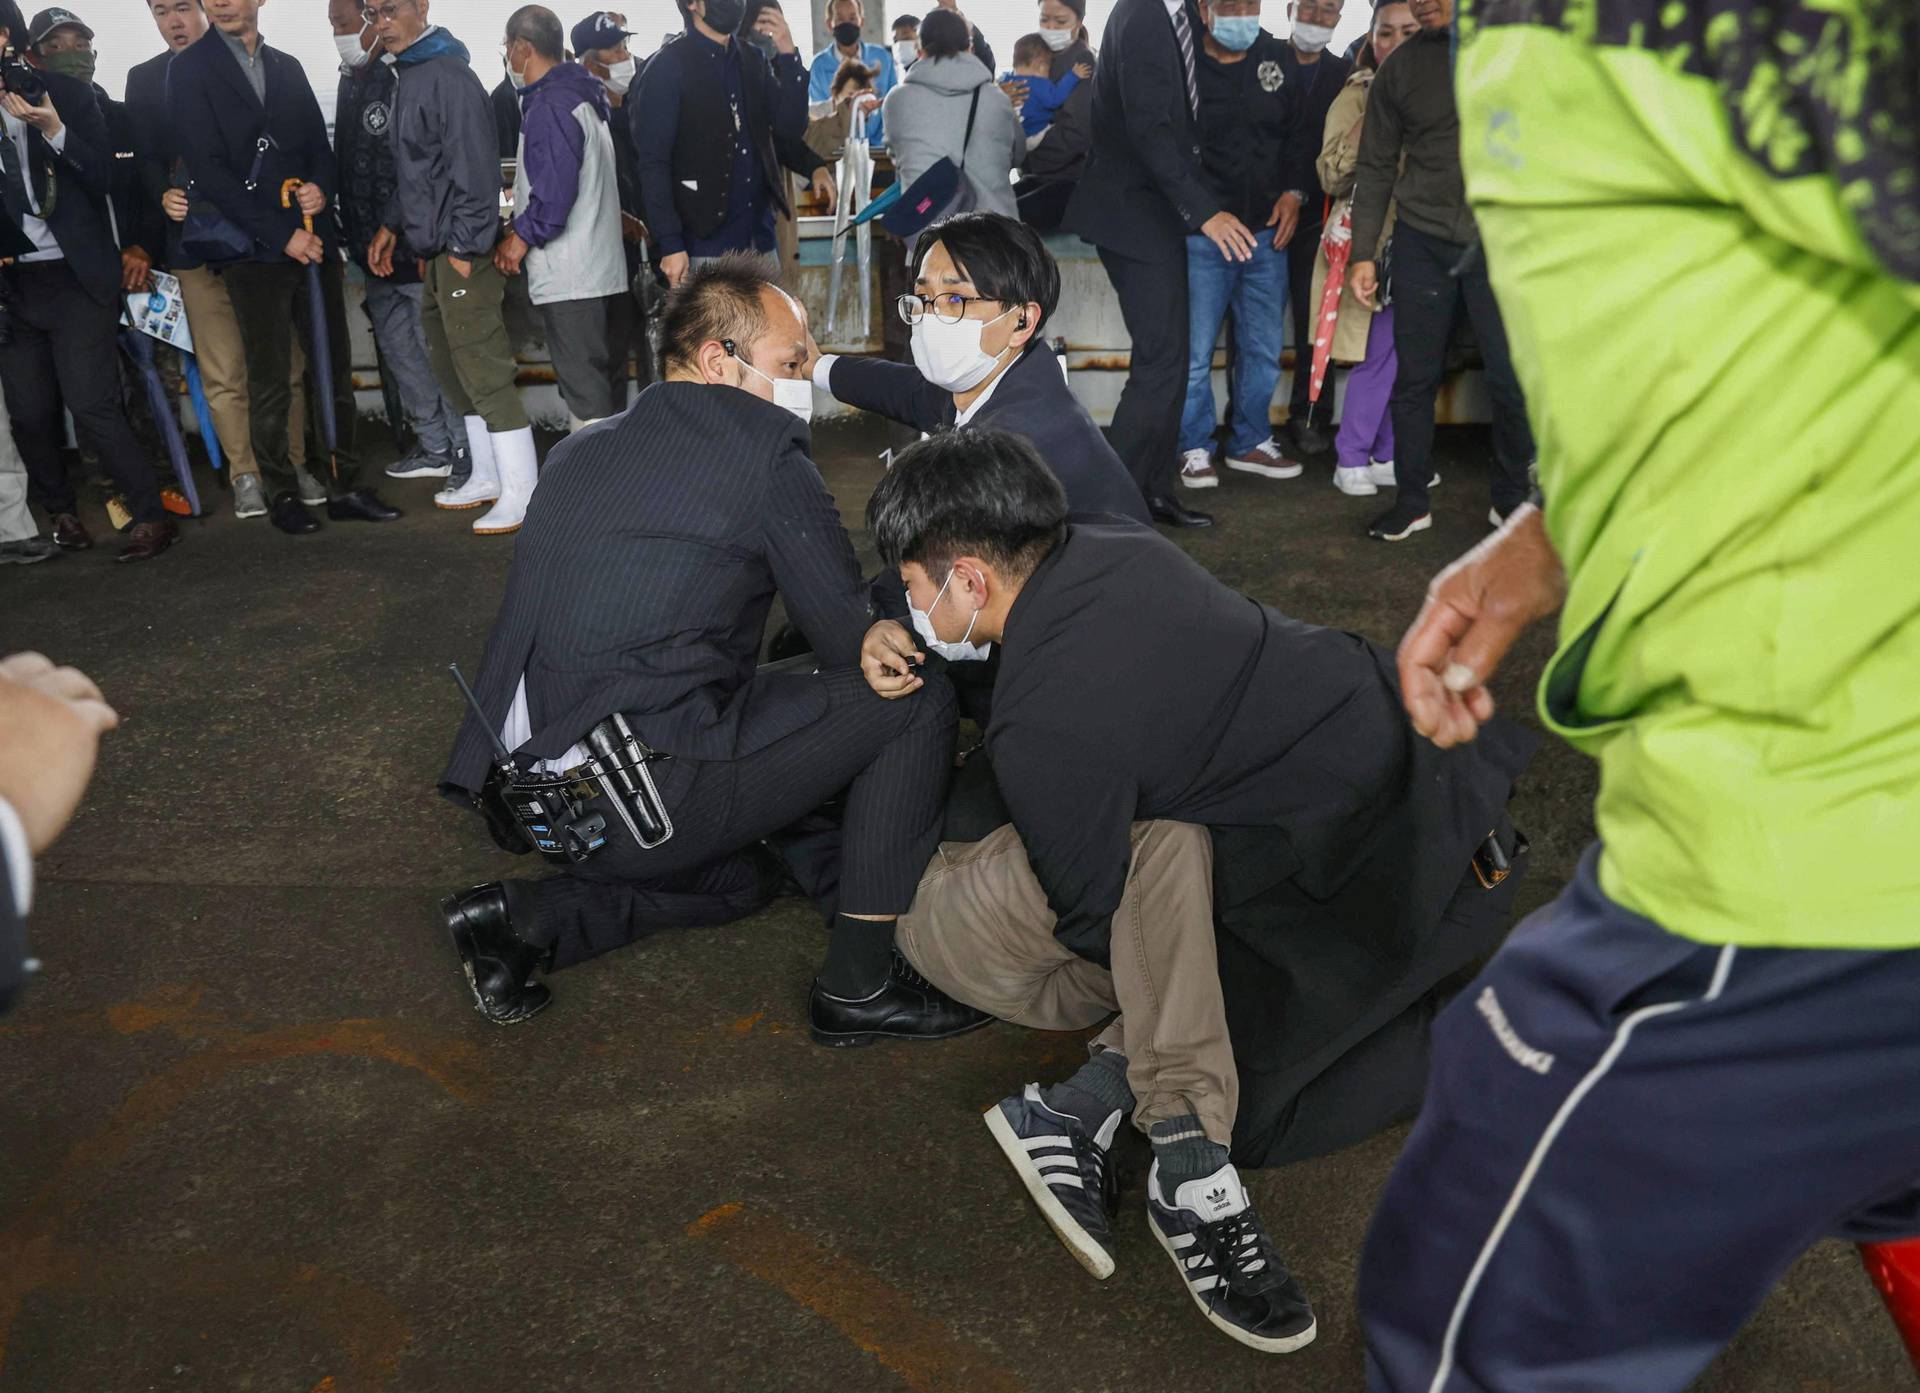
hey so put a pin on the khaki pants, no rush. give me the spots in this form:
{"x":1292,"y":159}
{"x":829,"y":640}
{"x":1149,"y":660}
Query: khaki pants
{"x":981,"y":931}
{"x":467,"y":341}
{"x":223,"y":372}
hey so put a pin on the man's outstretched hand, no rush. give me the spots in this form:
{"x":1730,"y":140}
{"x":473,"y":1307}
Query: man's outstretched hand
{"x":887,"y":657}
{"x":1474,"y":611}
{"x":51,"y":720}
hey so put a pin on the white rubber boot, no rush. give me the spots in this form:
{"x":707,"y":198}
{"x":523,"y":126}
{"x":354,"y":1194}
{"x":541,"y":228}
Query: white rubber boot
{"x":519,"y":471}
{"x":483,"y":485}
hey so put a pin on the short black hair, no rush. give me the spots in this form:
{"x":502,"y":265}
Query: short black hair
{"x":906,"y":22}
{"x":1004,"y":258}
{"x":944,"y":34}
{"x":1031,"y":48}
{"x":720,"y":301}
{"x":968,"y":492}
{"x":540,"y":27}
{"x":15,"y":24}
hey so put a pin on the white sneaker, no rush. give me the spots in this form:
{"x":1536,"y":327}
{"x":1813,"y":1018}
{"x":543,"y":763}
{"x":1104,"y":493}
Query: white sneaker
{"x":519,"y":466}
{"x":483,"y":484}
{"x":1230,"y":1267}
{"x":1355,"y":482}
{"x":1268,"y":460}
{"x":1381,"y":472}
{"x":1197,"y":471}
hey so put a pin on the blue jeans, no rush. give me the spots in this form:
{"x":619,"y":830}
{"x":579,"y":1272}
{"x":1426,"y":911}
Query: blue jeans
{"x":1257,"y":292}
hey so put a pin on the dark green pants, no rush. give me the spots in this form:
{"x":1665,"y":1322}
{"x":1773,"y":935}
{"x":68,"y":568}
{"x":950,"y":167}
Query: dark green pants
{"x":465,"y":322}
{"x":272,"y":302}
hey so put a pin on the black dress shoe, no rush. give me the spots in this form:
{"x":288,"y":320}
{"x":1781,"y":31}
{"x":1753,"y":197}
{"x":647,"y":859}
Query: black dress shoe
{"x":289,"y":516}
{"x":69,"y":533}
{"x":148,"y":540}
{"x":908,"y":1007}
{"x":1170,"y":512}
{"x":362,"y":505}
{"x":499,"y":963}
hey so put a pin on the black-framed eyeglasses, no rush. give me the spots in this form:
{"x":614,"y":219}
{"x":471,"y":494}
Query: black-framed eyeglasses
{"x":375,"y":14}
{"x":948,"y":307}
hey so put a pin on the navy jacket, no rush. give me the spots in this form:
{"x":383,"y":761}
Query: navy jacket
{"x":1032,"y":399}
{"x":217,"y":120}
{"x":81,"y":175}
{"x":642,"y":580}
{"x":1141,"y":192}
{"x":153,"y":158}
{"x":446,"y":174}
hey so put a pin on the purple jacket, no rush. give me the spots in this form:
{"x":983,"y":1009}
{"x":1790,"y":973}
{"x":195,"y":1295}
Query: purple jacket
{"x":552,"y":148}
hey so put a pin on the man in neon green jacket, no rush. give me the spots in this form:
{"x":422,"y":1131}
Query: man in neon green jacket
{"x":1704,"y":229}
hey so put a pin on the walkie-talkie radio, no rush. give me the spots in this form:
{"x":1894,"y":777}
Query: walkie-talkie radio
{"x":553,"y":812}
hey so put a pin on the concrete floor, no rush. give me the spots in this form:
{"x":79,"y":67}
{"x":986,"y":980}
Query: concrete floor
{"x":253,"y":1137}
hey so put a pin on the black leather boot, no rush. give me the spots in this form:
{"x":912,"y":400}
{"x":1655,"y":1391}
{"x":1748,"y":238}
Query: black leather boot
{"x":499,"y":963}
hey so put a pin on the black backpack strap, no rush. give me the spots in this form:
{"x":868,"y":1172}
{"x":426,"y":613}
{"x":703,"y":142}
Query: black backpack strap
{"x":973,"y":109}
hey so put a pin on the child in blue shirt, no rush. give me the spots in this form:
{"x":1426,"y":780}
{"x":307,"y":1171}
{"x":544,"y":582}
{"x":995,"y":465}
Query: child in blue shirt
{"x":1032,"y":65}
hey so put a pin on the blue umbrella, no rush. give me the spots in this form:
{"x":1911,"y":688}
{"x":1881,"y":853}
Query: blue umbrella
{"x":140,"y":348}
{"x":203,"y":413}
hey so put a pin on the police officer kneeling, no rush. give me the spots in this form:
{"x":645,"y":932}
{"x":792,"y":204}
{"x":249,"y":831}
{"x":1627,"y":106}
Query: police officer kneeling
{"x":640,"y":588}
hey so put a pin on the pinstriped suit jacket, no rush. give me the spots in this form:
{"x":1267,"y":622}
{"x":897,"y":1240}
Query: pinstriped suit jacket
{"x":642,"y":579}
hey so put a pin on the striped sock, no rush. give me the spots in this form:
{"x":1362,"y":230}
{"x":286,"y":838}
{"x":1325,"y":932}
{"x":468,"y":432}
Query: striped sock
{"x":1181,"y":1147}
{"x":1095,"y":1093}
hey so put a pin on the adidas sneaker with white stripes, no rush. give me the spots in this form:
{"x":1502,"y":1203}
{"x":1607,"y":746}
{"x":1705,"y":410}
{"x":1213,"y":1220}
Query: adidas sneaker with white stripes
{"x":1068,"y":1173}
{"x":1231,"y":1268}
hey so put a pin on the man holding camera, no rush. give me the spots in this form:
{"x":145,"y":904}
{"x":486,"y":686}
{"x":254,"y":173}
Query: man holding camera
{"x":61,"y":294}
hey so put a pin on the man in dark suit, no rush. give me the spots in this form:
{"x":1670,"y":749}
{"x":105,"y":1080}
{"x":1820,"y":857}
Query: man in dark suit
{"x":641,"y":584}
{"x":1274,"y":1006}
{"x":51,"y":720}
{"x":984,"y":287}
{"x":1139,"y":197}
{"x":225,"y":95}
{"x":61,"y":300}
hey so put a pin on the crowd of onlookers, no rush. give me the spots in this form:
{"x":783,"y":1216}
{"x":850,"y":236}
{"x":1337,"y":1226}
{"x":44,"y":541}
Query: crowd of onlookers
{"x":1253,"y":190}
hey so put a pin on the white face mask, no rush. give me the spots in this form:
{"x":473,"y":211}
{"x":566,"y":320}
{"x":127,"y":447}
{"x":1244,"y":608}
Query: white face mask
{"x":1311,"y":38}
{"x":351,"y":54}
{"x":905,"y":51}
{"x":518,"y":80}
{"x":950,"y":356}
{"x":796,"y":394}
{"x":1059,"y":40}
{"x":958,"y":651}
{"x":619,"y":77}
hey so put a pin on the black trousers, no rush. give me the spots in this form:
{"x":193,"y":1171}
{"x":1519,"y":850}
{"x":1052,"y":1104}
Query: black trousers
{"x":889,"y":758}
{"x":64,"y":345}
{"x":272,"y":303}
{"x":1146,"y":423}
{"x":1433,"y":280}
{"x":1301,"y":253}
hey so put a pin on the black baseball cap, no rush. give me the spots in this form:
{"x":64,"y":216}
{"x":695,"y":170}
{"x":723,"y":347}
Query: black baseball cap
{"x":47,"y":21}
{"x":597,"y":31}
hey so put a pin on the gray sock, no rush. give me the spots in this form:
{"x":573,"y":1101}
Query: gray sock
{"x":1095,"y":1093}
{"x":1181,"y":1147}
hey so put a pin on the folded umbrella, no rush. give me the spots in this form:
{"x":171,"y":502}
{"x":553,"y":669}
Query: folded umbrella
{"x":1337,"y":243}
{"x":321,"y":374}
{"x":165,"y":414}
{"x":197,"y":392}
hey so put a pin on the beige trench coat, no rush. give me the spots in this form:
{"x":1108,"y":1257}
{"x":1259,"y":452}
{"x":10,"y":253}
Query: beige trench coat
{"x":1339,"y":153}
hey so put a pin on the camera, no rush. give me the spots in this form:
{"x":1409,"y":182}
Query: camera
{"x":20,"y":79}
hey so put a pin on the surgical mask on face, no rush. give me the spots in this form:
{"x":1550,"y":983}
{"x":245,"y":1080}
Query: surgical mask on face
{"x":1311,"y":38}
{"x":847,"y":34}
{"x":1236,"y":33}
{"x":72,"y":62}
{"x":351,"y":54}
{"x":796,"y":394}
{"x":959,"y":651}
{"x":950,"y":356}
{"x":1059,"y":40}
{"x":905,"y":51}
{"x":619,"y":76}
{"x":518,"y":80}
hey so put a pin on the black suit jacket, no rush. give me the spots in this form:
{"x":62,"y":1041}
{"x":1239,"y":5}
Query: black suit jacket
{"x":216,"y":120}
{"x":1032,"y":399}
{"x":1230,"y":714}
{"x":642,"y":579}
{"x":153,"y":155}
{"x":1141,"y":190}
{"x":82,"y":177}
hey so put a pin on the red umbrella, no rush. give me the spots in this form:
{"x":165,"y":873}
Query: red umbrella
{"x":1337,"y":244}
